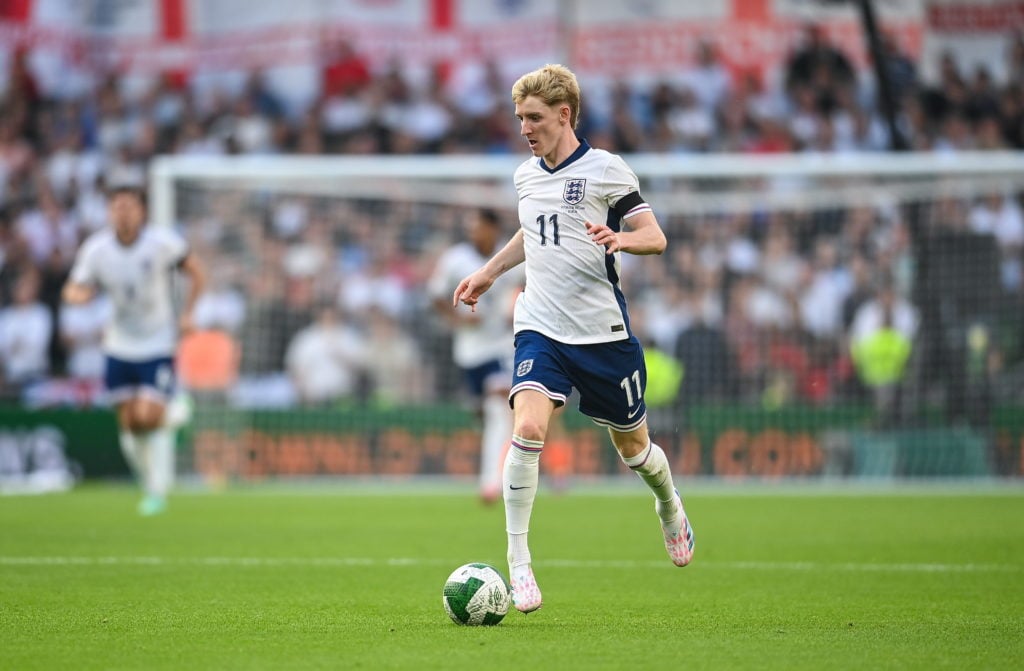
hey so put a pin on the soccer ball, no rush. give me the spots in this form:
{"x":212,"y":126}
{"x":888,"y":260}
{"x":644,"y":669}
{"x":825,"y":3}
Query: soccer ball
{"x":476,"y":594}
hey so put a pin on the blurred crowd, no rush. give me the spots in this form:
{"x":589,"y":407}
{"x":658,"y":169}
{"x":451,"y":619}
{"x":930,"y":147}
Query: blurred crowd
{"x":758,"y":306}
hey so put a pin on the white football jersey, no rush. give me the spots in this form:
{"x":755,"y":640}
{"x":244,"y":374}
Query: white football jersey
{"x":491,"y":337}
{"x":572,"y":290}
{"x":137,"y":278}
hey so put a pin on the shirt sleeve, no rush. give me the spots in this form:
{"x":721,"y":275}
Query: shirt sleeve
{"x":174,"y":246}
{"x":622,"y":189}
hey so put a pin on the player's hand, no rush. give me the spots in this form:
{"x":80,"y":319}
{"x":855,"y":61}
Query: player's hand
{"x":470,"y":289}
{"x":605,"y":236}
{"x":76,"y":294}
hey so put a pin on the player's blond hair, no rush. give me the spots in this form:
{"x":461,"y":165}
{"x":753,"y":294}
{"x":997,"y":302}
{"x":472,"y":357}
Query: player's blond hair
{"x":553,"y":84}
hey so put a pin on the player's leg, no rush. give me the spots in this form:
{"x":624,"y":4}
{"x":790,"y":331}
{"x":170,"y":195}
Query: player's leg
{"x":611,"y":378}
{"x":119,"y":381}
{"x":520,"y":478}
{"x":539,"y":384}
{"x":489,"y":383}
{"x":648,"y":461}
{"x":126,"y":437}
{"x":155,"y":434}
{"x":497,"y":425}
{"x":156,"y":441}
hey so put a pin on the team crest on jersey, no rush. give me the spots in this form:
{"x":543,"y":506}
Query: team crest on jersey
{"x":524,"y":367}
{"x":574,"y":189}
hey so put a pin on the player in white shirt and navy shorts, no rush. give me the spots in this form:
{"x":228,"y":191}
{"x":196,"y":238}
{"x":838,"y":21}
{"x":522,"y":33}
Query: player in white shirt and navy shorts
{"x":482,"y":340}
{"x":133,"y":264}
{"x":579,"y":208}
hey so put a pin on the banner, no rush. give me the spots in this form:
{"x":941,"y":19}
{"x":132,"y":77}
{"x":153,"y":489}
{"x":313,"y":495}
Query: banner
{"x":978,"y":33}
{"x":732,"y":442}
{"x":642,"y":40}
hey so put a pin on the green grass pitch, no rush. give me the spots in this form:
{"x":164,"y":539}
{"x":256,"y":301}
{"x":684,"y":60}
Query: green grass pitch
{"x":337,"y":578}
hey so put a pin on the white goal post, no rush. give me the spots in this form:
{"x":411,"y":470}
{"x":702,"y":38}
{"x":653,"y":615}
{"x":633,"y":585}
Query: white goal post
{"x":770,"y":254}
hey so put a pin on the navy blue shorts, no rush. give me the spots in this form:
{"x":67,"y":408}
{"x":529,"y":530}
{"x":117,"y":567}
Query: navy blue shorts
{"x":128,"y":379}
{"x":610,"y":377}
{"x":490,"y":375}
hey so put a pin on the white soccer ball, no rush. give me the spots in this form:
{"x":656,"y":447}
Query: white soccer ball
{"x":476,"y":594}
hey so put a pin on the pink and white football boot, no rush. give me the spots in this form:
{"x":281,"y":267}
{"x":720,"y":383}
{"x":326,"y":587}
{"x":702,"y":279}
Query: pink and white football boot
{"x":525,"y":593}
{"x":678,"y":536}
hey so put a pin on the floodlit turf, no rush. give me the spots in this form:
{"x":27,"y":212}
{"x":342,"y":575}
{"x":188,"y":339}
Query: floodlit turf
{"x":258,"y":579}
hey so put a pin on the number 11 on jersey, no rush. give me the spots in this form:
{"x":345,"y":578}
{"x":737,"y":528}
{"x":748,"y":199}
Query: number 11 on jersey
{"x":543,"y":229}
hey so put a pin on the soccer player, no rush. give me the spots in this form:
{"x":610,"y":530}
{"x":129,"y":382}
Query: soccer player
{"x":571,"y":324}
{"x":482,"y":343}
{"x":133,"y":263}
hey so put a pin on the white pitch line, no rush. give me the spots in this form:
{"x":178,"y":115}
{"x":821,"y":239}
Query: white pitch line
{"x":343,"y":562}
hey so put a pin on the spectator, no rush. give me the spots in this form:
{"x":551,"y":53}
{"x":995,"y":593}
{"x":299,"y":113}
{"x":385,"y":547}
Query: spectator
{"x":49,"y":228}
{"x":1001,"y":216}
{"x":707,"y":363}
{"x":881,"y":341}
{"x":345,"y":72}
{"x":22,"y":83}
{"x":222,"y":305}
{"x":81,"y":332}
{"x":392,"y":361}
{"x":821,"y":66}
{"x":16,"y":155}
{"x":261,"y":98}
{"x":623,"y":126}
{"x":324,"y":360}
{"x":692,"y":123}
{"x":251,"y":132}
{"x":26,"y":327}
{"x":707,"y":78}
{"x":899,"y":67}
{"x":827,"y":286}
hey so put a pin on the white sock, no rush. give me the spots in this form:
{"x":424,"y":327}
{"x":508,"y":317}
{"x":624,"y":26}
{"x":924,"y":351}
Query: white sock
{"x":653,"y":468}
{"x":160,"y":471}
{"x":497,"y":427}
{"x":519,"y":488}
{"x":130,"y":449}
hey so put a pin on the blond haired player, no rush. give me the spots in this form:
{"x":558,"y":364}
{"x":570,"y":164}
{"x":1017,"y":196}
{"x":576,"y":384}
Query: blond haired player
{"x":579,"y":208}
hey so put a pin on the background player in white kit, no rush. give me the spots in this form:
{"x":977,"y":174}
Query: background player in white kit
{"x":571,"y":324}
{"x":482,"y":345}
{"x":133,"y":264}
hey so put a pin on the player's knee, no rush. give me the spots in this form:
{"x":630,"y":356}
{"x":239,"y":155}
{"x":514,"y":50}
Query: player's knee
{"x":530,"y":429}
{"x":146,"y":417}
{"x":630,"y":444}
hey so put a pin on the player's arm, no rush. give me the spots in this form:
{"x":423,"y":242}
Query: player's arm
{"x":643,"y":237}
{"x":80,"y":286}
{"x":471,"y":288}
{"x":192,"y":268}
{"x":641,"y":233}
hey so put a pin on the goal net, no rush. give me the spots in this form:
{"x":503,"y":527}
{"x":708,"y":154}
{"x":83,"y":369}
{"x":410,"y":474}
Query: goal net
{"x":812,"y":316}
